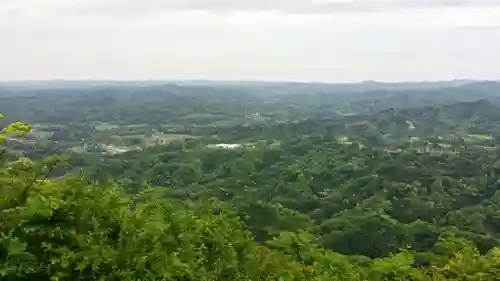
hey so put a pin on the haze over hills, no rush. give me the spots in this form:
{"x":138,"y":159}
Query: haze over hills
{"x":361,"y":86}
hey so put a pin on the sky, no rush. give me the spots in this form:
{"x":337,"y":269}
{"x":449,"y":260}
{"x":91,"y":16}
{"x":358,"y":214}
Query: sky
{"x":294,"y":40}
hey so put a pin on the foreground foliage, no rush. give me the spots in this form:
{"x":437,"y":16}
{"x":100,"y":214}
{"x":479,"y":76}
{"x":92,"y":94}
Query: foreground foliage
{"x":68,"y":229}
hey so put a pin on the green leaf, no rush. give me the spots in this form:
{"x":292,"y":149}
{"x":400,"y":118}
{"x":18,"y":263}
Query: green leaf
{"x":83,"y":264}
{"x":15,"y":247}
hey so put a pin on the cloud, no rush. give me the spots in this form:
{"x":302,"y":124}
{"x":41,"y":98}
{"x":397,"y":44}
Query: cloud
{"x":112,"y":9}
{"x":117,"y":7}
{"x":249,"y":39}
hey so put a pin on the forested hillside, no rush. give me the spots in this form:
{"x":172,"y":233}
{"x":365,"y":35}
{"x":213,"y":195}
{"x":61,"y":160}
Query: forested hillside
{"x":250,"y":182}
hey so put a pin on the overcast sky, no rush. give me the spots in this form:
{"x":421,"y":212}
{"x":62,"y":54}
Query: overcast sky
{"x":305,"y":40}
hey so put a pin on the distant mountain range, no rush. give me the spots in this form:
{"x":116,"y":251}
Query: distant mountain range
{"x":278,"y":86}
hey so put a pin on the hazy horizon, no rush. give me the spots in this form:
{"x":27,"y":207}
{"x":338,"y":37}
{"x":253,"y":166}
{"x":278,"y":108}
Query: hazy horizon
{"x":56,"y":80}
{"x":333,"y":41}
{"x":219,"y":81}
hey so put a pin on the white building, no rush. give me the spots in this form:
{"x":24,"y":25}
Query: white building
{"x":227,"y":146}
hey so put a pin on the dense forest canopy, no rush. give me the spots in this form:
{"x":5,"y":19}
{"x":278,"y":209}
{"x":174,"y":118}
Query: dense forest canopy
{"x":250,"y":181}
